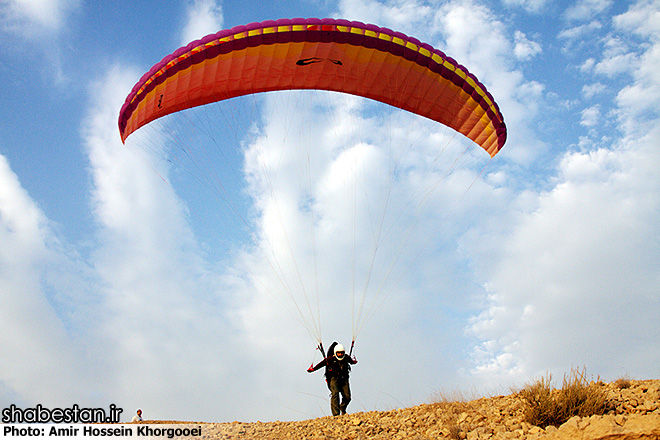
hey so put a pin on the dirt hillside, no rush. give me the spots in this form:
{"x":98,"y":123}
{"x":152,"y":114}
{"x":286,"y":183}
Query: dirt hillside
{"x":633,"y":413}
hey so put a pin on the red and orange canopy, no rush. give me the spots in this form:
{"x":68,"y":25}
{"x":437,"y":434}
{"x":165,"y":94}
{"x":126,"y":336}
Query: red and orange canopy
{"x":324,"y":54}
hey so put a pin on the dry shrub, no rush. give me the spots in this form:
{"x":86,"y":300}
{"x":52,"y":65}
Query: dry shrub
{"x":454,"y":396}
{"x":545,"y":406}
{"x":540,"y":406}
{"x":581,"y":397}
{"x":623,"y":382}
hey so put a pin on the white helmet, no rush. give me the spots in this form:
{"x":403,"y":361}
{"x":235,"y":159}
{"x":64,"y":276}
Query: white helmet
{"x":340,"y":351}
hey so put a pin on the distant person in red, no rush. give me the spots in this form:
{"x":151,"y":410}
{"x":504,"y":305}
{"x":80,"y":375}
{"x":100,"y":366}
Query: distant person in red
{"x":337,"y":369}
{"x":138,"y":416}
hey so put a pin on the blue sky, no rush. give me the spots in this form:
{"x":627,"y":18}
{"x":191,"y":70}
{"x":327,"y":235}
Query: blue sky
{"x":124,"y":280}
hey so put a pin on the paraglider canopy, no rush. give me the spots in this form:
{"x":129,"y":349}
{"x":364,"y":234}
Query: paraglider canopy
{"x":325,"y":54}
{"x":336,"y":56}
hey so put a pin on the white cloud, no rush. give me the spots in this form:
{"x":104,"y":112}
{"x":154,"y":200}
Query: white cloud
{"x":480,"y":41}
{"x":591,"y":90}
{"x":472,"y":34}
{"x":41,"y":361}
{"x":617,"y":58}
{"x":408,"y":16}
{"x":525,"y":48}
{"x":203,"y":17}
{"x":533,"y":6}
{"x":577,"y":272}
{"x":30,"y":17}
{"x":587,"y":9}
{"x":309,"y":230}
{"x":163,"y":307}
{"x":590,"y":116}
{"x":643,"y":18}
{"x":638,"y":101}
{"x":41,"y":23}
{"x":574,"y":37}
{"x":161,"y":303}
{"x":582,"y":261}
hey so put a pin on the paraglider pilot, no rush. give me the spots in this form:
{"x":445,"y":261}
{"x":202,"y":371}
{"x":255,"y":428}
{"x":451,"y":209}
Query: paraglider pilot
{"x":337,"y":369}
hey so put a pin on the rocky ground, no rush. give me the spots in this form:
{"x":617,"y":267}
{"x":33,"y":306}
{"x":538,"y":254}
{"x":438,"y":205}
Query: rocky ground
{"x":634,"y":414}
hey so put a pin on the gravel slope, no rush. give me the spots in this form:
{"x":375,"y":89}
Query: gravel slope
{"x":635,"y":414}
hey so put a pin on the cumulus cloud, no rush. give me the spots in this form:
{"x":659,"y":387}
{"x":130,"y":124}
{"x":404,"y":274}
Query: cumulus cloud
{"x":590,"y":116}
{"x":476,"y":37}
{"x":203,"y":17}
{"x":533,"y":6}
{"x":640,"y":19}
{"x":591,"y":90}
{"x":525,"y":48}
{"x":35,"y":21}
{"x":582,"y":256}
{"x":36,"y":328}
{"x":164,"y":305}
{"x":638,"y":100}
{"x":583,"y":260}
{"x":161,"y":302}
{"x":408,"y":16}
{"x":577,"y":32}
{"x":587,"y":9}
{"x":143,"y":318}
{"x":35,"y":17}
{"x":346,"y":219}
